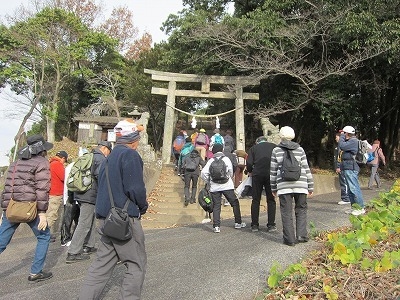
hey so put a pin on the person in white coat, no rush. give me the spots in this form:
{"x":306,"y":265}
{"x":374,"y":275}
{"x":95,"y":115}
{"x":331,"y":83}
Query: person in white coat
{"x":219,"y":189}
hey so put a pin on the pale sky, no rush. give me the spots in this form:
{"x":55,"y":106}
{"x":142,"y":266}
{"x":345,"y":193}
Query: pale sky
{"x":148,"y":15}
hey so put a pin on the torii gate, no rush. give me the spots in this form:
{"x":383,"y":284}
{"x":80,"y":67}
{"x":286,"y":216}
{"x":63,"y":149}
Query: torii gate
{"x":238,"y":82}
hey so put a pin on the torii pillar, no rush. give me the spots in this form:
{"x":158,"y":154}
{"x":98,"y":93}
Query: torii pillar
{"x":238,"y":82}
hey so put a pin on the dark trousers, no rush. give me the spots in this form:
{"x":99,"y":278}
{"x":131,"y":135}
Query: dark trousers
{"x":190,"y":178}
{"x":300,"y":212}
{"x":260,"y":183}
{"x":343,"y":188}
{"x":233,"y":201}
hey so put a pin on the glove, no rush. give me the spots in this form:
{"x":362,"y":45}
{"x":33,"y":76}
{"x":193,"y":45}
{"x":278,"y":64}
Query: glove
{"x":42,"y":221}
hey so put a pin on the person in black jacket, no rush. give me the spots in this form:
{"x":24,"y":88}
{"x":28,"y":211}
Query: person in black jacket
{"x":83,"y":239}
{"x":190,"y":165}
{"x":258,"y":165}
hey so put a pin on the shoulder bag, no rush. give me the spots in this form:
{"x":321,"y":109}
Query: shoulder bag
{"x":117,"y":224}
{"x":20,"y":211}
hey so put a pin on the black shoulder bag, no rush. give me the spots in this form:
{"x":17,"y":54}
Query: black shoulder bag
{"x":117,"y":224}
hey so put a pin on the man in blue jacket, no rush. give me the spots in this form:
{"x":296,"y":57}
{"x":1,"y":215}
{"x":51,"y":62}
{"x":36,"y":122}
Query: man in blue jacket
{"x":125,"y":174}
{"x":348,"y":143}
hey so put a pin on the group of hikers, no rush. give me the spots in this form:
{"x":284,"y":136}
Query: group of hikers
{"x":268,"y":168}
{"x":221,"y":167}
{"x":113,"y":178}
{"x":85,"y":188}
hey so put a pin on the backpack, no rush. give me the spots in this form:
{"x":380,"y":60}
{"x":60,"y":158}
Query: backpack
{"x":80,"y":177}
{"x":372,"y":155}
{"x":205,"y":200}
{"x":190,"y":164}
{"x":361,"y":156}
{"x":217,"y":170}
{"x":218,"y":139}
{"x":201,"y":139}
{"x":178,"y":143}
{"x":291,"y":167}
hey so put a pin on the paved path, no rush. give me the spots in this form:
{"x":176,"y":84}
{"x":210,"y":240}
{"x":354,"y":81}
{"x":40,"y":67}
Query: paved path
{"x":188,"y":263}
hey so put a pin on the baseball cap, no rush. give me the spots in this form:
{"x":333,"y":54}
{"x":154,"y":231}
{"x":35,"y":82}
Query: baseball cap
{"x":62,"y":154}
{"x":349,"y":129}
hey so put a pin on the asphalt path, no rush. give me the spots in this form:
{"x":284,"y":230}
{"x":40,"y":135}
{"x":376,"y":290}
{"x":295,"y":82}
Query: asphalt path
{"x":188,"y":263}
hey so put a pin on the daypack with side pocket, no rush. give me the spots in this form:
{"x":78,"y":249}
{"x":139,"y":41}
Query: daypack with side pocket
{"x":291,"y":167}
{"x":205,"y":200}
{"x":80,"y":177}
{"x":361,"y":156}
{"x":218,"y":171}
{"x":190,"y":164}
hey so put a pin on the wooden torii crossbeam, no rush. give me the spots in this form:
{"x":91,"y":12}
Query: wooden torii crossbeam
{"x":237,"y":82}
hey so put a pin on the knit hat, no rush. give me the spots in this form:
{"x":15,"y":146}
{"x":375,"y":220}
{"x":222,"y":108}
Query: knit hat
{"x":287,"y":133}
{"x":261,"y":139}
{"x":217,"y":148}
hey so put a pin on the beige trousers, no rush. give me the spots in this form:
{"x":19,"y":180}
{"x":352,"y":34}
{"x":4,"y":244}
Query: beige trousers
{"x":52,"y":211}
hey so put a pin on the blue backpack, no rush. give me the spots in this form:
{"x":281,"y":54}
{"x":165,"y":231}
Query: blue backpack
{"x":218,"y":140}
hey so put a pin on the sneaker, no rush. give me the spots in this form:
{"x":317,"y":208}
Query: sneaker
{"x":72,"y":258}
{"x":254,"y":228}
{"x":89,"y":250}
{"x":39,"y":277}
{"x":343,"y":202}
{"x":217,"y":229}
{"x":271,"y":228}
{"x":226,"y":203}
{"x":205,"y":221}
{"x":357,"y":212}
{"x":240,"y":225}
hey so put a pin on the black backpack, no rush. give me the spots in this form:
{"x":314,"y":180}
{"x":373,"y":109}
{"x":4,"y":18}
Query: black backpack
{"x":190,"y":164}
{"x":217,"y":170}
{"x":205,"y":200}
{"x":291,"y":167}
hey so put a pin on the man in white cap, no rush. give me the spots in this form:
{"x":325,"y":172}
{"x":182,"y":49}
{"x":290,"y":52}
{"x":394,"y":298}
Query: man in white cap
{"x":288,"y":191}
{"x":125,"y":178}
{"x":348,"y":144}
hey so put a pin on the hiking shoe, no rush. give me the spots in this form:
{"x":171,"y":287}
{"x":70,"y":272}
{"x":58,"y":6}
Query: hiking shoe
{"x":343,"y":202}
{"x":271,"y":228}
{"x":302,"y":239}
{"x":89,"y":250}
{"x":217,"y":229}
{"x":288,"y":243}
{"x":39,"y":276}
{"x":72,"y":258}
{"x":357,"y":212}
{"x":254,"y":228}
{"x":240,"y":225}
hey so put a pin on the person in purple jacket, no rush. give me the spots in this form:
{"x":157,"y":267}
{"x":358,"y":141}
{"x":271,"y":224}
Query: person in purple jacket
{"x":28,"y":179}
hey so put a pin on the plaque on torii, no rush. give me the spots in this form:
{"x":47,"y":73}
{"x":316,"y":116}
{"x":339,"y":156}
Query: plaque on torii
{"x":237,"y":94}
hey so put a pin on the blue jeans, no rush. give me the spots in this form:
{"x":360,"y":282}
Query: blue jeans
{"x":7,"y":230}
{"x":354,"y":191}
